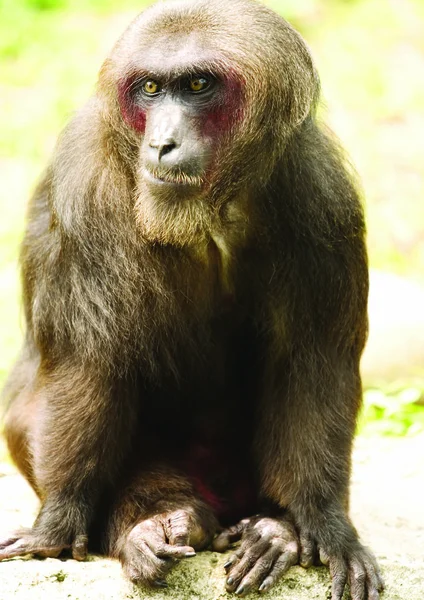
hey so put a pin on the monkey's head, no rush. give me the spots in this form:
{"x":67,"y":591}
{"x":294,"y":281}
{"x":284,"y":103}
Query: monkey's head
{"x":207,"y":93}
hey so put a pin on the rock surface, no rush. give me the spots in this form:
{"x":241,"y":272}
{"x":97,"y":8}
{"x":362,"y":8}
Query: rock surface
{"x":387,"y":492}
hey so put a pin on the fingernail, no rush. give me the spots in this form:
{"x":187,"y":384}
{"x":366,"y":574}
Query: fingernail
{"x":188,"y":554}
{"x":161,"y":583}
{"x":228,"y":564}
{"x":230,"y":581}
{"x":240,"y":590}
{"x":265,"y":585}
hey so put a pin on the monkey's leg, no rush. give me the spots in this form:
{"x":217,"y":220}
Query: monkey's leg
{"x":80,"y":433}
{"x":309,"y":418}
{"x":20,"y":416}
{"x":156,"y":520}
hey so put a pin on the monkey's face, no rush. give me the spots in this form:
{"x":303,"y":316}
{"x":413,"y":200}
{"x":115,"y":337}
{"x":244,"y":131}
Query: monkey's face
{"x":210,"y":96}
{"x":179,"y":118}
{"x":185,"y":117}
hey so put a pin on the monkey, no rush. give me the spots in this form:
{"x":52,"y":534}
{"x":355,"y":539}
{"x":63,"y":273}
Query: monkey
{"x":195,"y":284}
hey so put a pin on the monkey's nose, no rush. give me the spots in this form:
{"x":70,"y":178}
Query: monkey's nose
{"x":162,"y":148}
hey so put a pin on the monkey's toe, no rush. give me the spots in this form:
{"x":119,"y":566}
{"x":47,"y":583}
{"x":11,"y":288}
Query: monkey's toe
{"x":269,"y":547}
{"x":28,"y":542}
{"x":358,"y":569}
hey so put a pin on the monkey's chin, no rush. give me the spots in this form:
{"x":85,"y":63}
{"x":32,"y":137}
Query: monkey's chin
{"x":167,"y":214}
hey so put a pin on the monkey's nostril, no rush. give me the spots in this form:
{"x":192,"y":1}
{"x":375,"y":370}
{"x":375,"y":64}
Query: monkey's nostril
{"x":165,"y":149}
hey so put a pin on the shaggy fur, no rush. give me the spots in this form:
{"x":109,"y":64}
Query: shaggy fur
{"x":230,"y":323}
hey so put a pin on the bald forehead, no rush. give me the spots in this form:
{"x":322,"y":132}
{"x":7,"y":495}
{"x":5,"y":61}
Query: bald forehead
{"x":177,"y":52}
{"x":174,"y":53}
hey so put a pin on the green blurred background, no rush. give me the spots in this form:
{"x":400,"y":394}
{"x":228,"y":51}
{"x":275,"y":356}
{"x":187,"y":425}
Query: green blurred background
{"x":370,"y":54}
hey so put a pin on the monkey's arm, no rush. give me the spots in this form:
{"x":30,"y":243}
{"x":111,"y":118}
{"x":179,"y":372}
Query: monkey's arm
{"x":79,"y":436}
{"x":311,"y":398}
{"x":82,"y":405}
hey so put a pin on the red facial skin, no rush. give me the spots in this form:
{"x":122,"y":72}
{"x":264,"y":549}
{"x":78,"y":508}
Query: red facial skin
{"x":133,"y":115}
{"x":217,"y":120}
{"x":223,"y":116}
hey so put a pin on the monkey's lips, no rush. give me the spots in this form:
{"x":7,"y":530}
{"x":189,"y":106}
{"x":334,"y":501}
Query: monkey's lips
{"x":171,"y":178}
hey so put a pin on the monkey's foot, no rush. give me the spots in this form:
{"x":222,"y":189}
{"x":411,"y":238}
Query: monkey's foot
{"x":153,"y":546}
{"x":356,"y":567}
{"x":269,"y":547}
{"x":29,"y":541}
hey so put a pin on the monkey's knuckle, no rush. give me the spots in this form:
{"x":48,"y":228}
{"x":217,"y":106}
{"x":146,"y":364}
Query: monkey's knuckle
{"x":360,"y":576}
{"x":292,"y":547}
{"x":339,"y":578}
{"x":263,"y":522}
{"x":277,"y":543}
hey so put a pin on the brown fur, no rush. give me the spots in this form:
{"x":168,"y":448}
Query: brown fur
{"x":234,"y":320}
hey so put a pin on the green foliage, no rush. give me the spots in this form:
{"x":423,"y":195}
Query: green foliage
{"x":44,"y":4}
{"x":397,"y":410}
{"x":100,"y":6}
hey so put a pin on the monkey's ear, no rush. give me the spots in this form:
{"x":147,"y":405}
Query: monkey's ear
{"x":299,"y":80}
{"x":303,"y":95}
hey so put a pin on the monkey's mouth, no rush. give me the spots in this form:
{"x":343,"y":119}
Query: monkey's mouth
{"x":172,"y":178}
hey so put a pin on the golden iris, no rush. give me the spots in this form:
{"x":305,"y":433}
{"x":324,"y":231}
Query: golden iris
{"x":199,"y":84}
{"x":151,"y":87}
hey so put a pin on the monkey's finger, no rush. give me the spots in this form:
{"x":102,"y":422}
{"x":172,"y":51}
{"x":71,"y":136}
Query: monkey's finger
{"x":79,"y":547}
{"x":163,"y":550}
{"x":22,"y":547}
{"x":9,"y":541}
{"x":307,"y":551}
{"x":245,"y":564}
{"x":178,"y":532}
{"x":287,"y":559}
{"x":374,"y":577}
{"x":375,"y":583}
{"x":17,"y":548}
{"x":229,"y":536}
{"x":357,"y":579}
{"x":180,"y":538}
{"x":324,"y":558}
{"x":170,"y":551}
{"x":157,"y":544}
{"x":176,"y":526}
{"x":259,"y":570}
{"x":142,"y":566}
{"x":339,"y":574}
{"x":250,"y":537}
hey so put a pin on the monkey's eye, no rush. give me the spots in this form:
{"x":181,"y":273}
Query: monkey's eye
{"x":151,"y":87}
{"x":199,"y":84}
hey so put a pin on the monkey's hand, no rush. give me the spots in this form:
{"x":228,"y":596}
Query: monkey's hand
{"x":356,"y":566}
{"x":59,"y":526}
{"x":269,"y":547}
{"x":153,"y":546}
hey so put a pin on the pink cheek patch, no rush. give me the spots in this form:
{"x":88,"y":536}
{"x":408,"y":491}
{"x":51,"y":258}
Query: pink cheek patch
{"x":229,"y":112}
{"x":133,"y":115}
